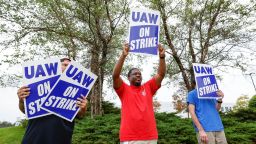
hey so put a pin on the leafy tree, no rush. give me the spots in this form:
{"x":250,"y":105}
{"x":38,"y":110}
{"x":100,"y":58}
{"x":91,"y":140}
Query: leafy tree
{"x":241,"y":103}
{"x":156,"y":105}
{"x":244,"y":110}
{"x":86,"y":31}
{"x":178,"y":102}
{"x":215,"y":32}
{"x":252,"y":102}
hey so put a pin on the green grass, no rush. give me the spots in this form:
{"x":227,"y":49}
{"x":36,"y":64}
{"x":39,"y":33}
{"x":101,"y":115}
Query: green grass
{"x":11,"y":135}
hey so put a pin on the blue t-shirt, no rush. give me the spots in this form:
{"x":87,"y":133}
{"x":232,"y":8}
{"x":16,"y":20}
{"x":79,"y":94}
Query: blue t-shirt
{"x":206,"y":112}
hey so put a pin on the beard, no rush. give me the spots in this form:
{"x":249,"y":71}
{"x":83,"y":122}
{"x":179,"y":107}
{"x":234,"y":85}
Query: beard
{"x":137,"y":83}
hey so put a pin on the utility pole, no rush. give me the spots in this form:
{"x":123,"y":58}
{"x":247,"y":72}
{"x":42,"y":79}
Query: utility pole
{"x":252,"y":80}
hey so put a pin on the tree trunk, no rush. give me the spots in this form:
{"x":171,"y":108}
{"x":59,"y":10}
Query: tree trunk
{"x":95,"y":97}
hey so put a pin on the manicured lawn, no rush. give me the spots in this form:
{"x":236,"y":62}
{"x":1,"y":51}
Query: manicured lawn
{"x":11,"y":135}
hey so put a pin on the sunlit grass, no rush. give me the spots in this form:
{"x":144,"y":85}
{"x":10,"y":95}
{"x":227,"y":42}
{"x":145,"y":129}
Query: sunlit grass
{"x":11,"y":135}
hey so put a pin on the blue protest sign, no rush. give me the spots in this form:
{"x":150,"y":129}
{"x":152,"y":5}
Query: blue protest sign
{"x":74,"y":82}
{"x":40,"y":77}
{"x":38,"y":91}
{"x":205,"y":81}
{"x":62,"y":99}
{"x":144,"y":31}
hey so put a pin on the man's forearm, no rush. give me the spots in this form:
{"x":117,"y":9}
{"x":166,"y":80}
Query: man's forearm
{"x":194,"y":117}
{"x":21,"y":106}
{"x":162,"y":67}
{"x":196,"y":121}
{"x":118,"y":66}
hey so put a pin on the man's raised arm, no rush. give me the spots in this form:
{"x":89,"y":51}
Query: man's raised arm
{"x":162,"y":66}
{"x":117,"y":81}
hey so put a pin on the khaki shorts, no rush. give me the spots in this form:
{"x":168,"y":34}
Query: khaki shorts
{"x":140,"y":142}
{"x":217,"y":137}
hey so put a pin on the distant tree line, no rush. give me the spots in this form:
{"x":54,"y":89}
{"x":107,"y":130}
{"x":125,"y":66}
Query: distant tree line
{"x":5,"y":124}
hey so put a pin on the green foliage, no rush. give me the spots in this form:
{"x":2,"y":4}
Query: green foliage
{"x":106,"y":129}
{"x":101,"y":129}
{"x":247,"y":114}
{"x":172,"y":129}
{"x":109,"y":108}
{"x":239,"y":131}
{"x":239,"y":127}
{"x":244,"y":115}
{"x":11,"y":135}
{"x":241,"y":103}
{"x":252,"y":103}
{"x":23,"y":123}
{"x":5,"y":124}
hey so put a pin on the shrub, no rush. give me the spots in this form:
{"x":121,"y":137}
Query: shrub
{"x":23,"y":123}
{"x":240,"y":127}
{"x":243,"y":115}
{"x":252,"y":103}
{"x":101,"y":129}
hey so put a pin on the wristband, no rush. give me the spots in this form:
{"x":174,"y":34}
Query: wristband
{"x":162,"y":57}
{"x":219,"y":101}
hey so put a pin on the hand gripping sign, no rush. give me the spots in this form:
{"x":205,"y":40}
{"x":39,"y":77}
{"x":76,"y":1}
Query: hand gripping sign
{"x":74,"y":82}
{"x":205,"y":81}
{"x":39,"y":76}
{"x":144,"y":31}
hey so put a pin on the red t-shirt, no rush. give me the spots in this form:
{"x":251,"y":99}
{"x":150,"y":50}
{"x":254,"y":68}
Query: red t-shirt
{"x":137,"y":115}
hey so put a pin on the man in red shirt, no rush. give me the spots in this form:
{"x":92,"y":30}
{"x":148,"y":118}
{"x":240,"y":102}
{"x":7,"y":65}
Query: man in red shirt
{"x":138,"y":123}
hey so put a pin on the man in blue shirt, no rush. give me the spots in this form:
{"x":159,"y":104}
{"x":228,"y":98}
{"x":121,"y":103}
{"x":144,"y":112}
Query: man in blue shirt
{"x":206,"y":118}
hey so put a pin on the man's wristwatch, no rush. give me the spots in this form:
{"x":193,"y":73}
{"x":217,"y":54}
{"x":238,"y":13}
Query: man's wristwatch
{"x":219,"y":101}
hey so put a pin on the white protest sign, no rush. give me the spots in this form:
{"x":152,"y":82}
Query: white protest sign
{"x":144,"y":31}
{"x":74,"y":82}
{"x":39,"y":76}
{"x":205,"y":81}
